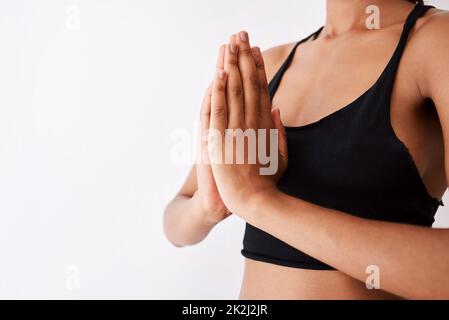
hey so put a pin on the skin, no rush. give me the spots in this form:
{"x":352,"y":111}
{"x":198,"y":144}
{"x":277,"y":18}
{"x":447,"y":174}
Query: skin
{"x":414,"y":261}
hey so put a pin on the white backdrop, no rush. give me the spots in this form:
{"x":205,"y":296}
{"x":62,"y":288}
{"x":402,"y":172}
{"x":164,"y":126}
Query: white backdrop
{"x":96,"y":97}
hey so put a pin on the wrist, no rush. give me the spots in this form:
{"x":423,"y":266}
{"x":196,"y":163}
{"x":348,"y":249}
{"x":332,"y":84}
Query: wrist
{"x":258,"y":202}
{"x":204,"y":215}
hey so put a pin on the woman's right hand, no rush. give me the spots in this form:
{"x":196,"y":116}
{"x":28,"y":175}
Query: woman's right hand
{"x":207,"y":191}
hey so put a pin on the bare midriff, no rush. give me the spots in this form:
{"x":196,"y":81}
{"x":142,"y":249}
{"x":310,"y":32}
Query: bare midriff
{"x":265,"y":281}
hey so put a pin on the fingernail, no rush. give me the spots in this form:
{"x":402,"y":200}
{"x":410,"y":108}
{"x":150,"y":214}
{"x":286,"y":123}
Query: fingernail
{"x":221,"y":74}
{"x":244,"y":36}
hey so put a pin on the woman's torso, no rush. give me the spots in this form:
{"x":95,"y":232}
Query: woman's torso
{"x":263,"y":281}
{"x":324,"y":76}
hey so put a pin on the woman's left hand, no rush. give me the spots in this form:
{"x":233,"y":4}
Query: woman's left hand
{"x":240,"y":100}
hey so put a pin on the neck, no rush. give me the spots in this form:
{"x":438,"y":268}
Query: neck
{"x":343,"y":16}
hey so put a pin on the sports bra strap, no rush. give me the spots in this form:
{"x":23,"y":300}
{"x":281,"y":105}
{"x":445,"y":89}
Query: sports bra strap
{"x":417,"y":13}
{"x":388,"y":76}
{"x":390,"y":70}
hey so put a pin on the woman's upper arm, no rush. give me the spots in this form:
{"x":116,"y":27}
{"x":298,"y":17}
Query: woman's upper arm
{"x":433,"y":81}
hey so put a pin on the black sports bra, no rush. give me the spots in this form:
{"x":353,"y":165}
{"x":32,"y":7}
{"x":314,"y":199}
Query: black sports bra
{"x":352,"y":161}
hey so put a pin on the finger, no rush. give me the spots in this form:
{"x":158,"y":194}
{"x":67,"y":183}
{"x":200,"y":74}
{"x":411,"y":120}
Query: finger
{"x":265,"y":119}
{"x":234,"y":95}
{"x":220,"y":59}
{"x":282,"y":141}
{"x":250,"y":80}
{"x":218,"y":116}
{"x":205,"y":109}
{"x":206,"y":106}
{"x":204,"y":125}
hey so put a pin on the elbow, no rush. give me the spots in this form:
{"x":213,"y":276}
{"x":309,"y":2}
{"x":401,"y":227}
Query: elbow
{"x":169,"y":233}
{"x":174,"y":243}
{"x":171,"y":238}
{"x":182,"y":231}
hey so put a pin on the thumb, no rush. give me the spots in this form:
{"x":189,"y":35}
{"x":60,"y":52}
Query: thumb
{"x":276,"y":115}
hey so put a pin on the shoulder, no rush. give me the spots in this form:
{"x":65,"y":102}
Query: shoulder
{"x":434,"y":26}
{"x":430,"y":47}
{"x":432,"y":33}
{"x":274,"y":57}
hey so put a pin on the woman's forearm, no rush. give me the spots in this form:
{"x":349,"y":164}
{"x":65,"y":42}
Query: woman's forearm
{"x":185,"y":221}
{"x":413,"y":261}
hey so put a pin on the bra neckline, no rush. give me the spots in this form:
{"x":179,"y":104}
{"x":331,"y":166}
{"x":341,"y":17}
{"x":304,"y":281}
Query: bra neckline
{"x":349,"y":106}
{"x":395,"y":57}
